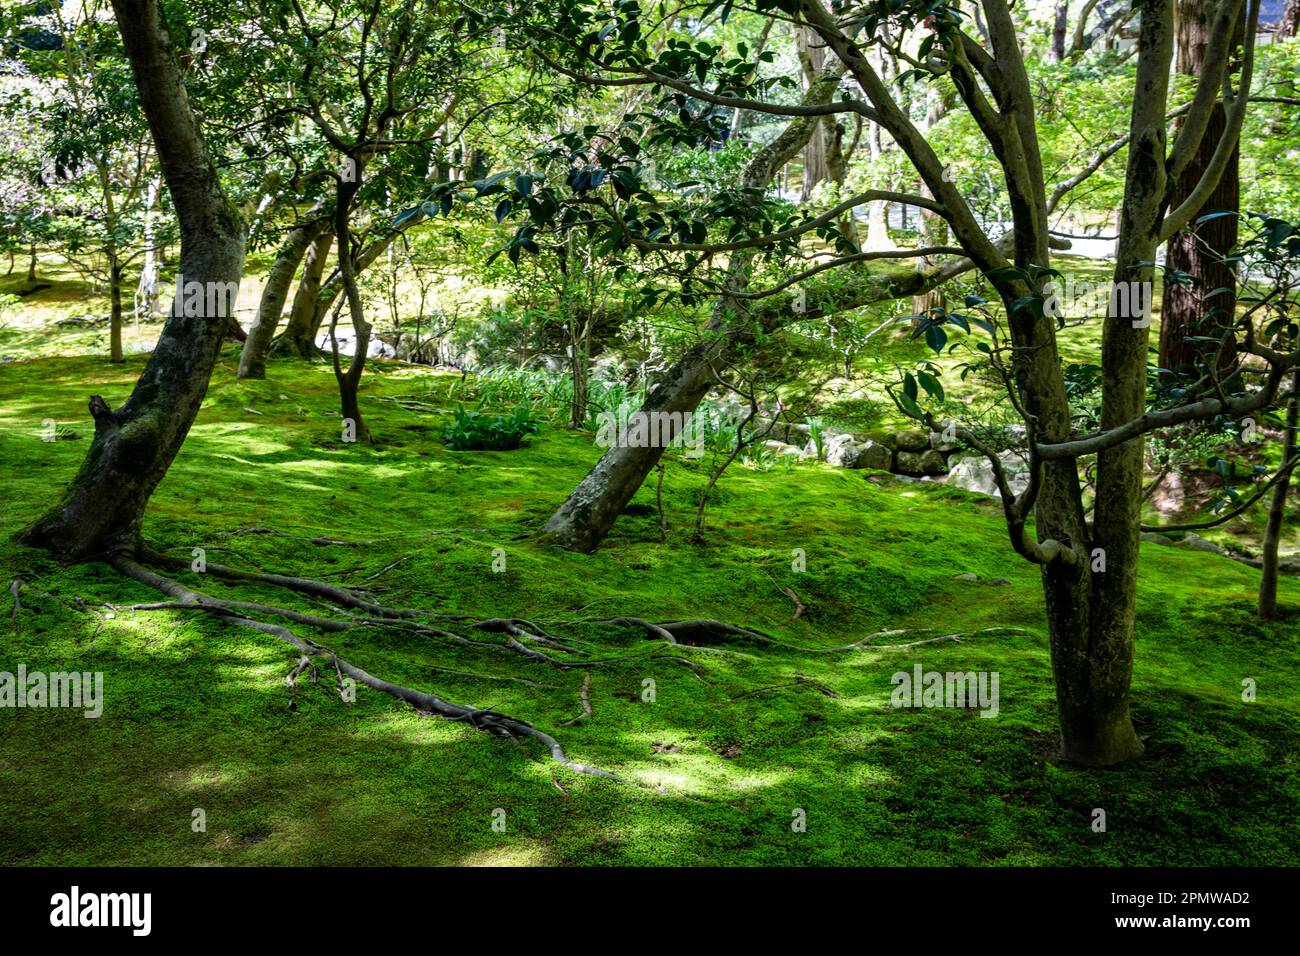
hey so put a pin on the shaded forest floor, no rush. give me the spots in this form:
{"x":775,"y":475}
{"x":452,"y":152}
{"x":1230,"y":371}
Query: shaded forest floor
{"x":197,"y":714}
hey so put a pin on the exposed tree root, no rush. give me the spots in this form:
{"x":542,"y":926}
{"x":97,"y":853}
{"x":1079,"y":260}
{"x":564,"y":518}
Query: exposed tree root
{"x":81,"y":605}
{"x":953,"y":637}
{"x":486,"y":720}
{"x":800,"y":682}
{"x":586,"y":702}
{"x":352,"y":609}
{"x":496,"y":677}
{"x":693,"y":633}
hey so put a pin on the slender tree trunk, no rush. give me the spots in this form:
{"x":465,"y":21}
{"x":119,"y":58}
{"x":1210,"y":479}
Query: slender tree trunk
{"x":115,"y":353}
{"x":304,"y":345}
{"x":31,"y":266}
{"x":877,"y":210}
{"x":934,"y":228}
{"x":1277,"y":509}
{"x":146,"y":297}
{"x":1198,"y":309}
{"x":102,"y":511}
{"x":1094,"y":677}
{"x":299,"y":336}
{"x":580,"y":366}
{"x":252,"y":360}
{"x":1289,"y":25}
{"x":1056,"y":52}
{"x":811,"y":57}
{"x":349,"y":380}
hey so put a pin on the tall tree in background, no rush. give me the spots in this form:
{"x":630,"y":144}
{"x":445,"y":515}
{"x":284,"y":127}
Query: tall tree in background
{"x":1289,"y":25}
{"x":1200,"y":287}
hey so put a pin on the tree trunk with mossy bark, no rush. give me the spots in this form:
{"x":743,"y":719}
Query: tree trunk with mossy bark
{"x":305,"y":325}
{"x":102,"y":510}
{"x":349,"y":379}
{"x":589,"y":513}
{"x":1205,"y":307}
{"x":301,"y":238}
{"x":1089,"y":574}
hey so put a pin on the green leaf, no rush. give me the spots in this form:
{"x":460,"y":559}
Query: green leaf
{"x":932,"y":386}
{"x":936,"y":337}
{"x":909,"y":386}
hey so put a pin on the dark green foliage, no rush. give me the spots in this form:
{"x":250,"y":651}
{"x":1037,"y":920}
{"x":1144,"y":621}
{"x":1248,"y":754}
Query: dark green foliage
{"x":477,"y":431}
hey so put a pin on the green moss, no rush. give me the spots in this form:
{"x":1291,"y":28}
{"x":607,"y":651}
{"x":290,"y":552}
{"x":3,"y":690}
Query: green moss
{"x":197,"y":714}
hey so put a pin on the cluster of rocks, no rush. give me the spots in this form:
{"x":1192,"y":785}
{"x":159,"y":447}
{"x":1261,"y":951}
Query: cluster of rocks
{"x":1190,"y":541}
{"x":911,"y":452}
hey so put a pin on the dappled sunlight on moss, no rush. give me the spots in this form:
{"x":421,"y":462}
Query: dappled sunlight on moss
{"x":198,"y":715}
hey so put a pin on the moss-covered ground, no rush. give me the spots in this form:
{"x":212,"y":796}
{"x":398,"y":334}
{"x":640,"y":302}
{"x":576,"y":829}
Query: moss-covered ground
{"x":197,"y":714}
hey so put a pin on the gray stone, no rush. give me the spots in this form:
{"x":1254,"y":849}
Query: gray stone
{"x":912,"y":439}
{"x":999,"y":582}
{"x":966,"y":577}
{"x":858,"y":454}
{"x":874,"y":455}
{"x":780,"y":447}
{"x":976,"y":474}
{"x":1194,"y":542}
{"x":842,"y":452}
{"x":939,"y":443}
{"x":928,"y":462}
{"x":1156,"y":538}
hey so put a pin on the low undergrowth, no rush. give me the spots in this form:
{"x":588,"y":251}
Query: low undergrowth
{"x":723,"y":760}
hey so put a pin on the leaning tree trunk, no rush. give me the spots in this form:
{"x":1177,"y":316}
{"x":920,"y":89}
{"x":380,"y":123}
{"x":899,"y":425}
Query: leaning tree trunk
{"x":1199,"y":309}
{"x":584,"y":520}
{"x":102,"y":510}
{"x":1277,"y":508}
{"x":252,"y":360}
{"x":586,"y":517}
{"x":299,"y":336}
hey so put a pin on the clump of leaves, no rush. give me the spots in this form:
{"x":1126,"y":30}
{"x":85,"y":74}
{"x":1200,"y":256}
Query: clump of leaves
{"x":477,"y":431}
{"x":817,"y":431}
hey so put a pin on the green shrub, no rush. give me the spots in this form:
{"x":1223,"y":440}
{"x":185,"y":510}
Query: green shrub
{"x":476,"y":431}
